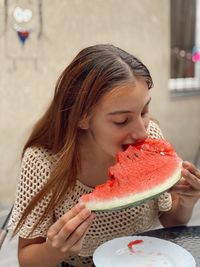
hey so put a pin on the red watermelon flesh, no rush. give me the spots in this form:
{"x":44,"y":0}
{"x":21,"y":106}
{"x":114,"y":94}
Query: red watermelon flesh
{"x":142,"y":171}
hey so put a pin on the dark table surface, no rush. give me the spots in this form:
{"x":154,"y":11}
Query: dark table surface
{"x":186,"y":237}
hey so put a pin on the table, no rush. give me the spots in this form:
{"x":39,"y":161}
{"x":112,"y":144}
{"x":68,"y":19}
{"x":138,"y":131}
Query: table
{"x":186,"y":236}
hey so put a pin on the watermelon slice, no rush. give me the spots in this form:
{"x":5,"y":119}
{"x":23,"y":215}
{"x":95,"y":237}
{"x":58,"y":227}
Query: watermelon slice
{"x":141,"y":172}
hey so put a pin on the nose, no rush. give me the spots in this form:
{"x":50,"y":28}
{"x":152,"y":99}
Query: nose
{"x":140,"y":132}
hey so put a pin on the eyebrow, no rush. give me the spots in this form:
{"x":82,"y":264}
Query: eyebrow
{"x":127,"y":111}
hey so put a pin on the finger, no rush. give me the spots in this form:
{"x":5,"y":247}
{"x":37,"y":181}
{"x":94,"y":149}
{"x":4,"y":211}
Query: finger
{"x":70,"y":226}
{"x":77,"y":246}
{"x":190,"y":193}
{"x":182,"y":181}
{"x":190,"y":167}
{"x":192,"y":179}
{"x":78,"y":235}
{"x":180,"y":189}
{"x":185,"y":190}
{"x":57,"y":226}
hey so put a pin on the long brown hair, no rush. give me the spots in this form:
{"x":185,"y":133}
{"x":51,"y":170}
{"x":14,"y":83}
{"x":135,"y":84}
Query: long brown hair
{"x":93,"y":72}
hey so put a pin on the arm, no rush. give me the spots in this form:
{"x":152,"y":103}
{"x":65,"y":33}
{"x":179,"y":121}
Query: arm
{"x":179,"y":214}
{"x":185,"y":194}
{"x":65,"y":238}
{"x":35,"y":252}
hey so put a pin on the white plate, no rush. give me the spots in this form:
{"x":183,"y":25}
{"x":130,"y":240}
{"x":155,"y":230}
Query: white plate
{"x":152,"y":252}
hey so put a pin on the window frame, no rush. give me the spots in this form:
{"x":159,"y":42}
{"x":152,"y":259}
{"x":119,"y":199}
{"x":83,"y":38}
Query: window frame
{"x":189,"y":86}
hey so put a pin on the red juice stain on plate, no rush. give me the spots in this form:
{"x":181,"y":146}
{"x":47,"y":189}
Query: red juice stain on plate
{"x":132,"y":243}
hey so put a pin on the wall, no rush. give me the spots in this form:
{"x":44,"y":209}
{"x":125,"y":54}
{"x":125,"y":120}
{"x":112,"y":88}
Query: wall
{"x":26,"y":86}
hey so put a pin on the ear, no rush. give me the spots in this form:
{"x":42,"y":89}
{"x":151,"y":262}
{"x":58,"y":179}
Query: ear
{"x":84,"y":123}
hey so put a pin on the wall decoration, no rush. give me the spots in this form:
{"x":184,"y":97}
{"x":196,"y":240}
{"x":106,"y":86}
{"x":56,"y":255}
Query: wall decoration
{"x":20,"y":16}
{"x":23,"y":30}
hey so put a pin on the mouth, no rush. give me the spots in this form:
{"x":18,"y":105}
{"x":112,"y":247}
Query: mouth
{"x":125,"y":146}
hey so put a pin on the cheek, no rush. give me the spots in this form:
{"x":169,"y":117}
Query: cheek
{"x":102,"y":132}
{"x":118,"y":135}
{"x":112,"y":135}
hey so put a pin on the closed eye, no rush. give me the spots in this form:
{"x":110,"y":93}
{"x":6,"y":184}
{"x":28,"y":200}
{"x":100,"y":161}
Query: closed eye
{"x":121,"y":123}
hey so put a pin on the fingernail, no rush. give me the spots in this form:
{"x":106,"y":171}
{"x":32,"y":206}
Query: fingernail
{"x":186,"y":163}
{"x":80,"y":205}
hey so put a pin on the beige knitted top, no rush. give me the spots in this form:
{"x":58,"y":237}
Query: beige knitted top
{"x":35,"y":171}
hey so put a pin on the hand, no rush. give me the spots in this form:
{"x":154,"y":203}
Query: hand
{"x":188,"y":188}
{"x":67,"y":234}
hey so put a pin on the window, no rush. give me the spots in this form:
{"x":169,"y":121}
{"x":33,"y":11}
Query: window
{"x":185,"y":47}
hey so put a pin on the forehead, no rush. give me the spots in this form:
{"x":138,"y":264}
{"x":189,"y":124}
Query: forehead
{"x":129,"y":96}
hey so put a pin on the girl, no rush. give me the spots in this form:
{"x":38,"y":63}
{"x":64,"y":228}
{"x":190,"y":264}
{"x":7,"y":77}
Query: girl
{"x":101,"y":104}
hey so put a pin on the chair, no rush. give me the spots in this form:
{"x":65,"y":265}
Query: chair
{"x":4,"y":230}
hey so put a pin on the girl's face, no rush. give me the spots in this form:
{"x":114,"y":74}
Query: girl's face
{"x":119,"y":119}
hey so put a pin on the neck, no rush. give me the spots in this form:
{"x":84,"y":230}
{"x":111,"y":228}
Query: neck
{"x":94,"y":164}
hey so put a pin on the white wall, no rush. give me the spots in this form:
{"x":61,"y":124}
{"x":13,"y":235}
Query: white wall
{"x":26,"y":86}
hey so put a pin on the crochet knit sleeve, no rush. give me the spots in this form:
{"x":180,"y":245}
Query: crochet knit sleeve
{"x":165,"y":199}
{"x":35,"y":171}
{"x":154,"y":130}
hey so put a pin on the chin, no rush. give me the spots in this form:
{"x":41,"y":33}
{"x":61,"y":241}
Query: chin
{"x":120,"y":149}
{"x":113,"y":152}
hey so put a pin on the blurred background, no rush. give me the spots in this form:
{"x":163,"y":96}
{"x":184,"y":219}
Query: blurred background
{"x":38,"y":38}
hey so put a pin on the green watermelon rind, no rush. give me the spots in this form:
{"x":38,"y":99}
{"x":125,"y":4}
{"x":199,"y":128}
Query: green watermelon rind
{"x":135,"y":199}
